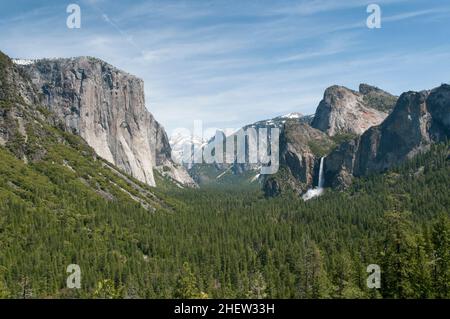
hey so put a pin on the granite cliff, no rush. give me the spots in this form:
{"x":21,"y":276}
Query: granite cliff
{"x":341,"y":115}
{"x":418,"y":120}
{"x":344,"y":111}
{"x":106,"y":107}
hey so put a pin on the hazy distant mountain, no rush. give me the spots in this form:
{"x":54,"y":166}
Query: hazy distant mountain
{"x":182,"y":144}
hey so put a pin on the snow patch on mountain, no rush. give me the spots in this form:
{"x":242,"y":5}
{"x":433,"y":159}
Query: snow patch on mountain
{"x":23,"y":61}
{"x":183,"y":144}
{"x":293,"y":115}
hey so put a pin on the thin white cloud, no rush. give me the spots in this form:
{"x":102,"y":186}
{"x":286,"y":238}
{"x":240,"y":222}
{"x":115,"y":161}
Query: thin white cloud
{"x":234,"y":70}
{"x":335,"y":45}
{"x":414,"y":14}
{"x":312,"y":7}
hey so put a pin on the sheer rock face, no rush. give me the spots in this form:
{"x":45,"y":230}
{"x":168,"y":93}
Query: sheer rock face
{"x":344,"y":111}
{"x":106,"y":107}
{"x":299,"y":159}
{"x":418,"y":120}
{"x":296,"y":153}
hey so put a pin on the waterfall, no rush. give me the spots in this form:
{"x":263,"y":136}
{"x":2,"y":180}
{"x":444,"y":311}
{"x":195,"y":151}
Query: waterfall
{"x":317,"y":191}
{"x":321,"y":181}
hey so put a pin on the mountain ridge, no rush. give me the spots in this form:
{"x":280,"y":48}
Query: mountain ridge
{"x":353,"y":130}
{"x":299,"y":157}
{"x":418,"y":120}
{"x":345,"y":111}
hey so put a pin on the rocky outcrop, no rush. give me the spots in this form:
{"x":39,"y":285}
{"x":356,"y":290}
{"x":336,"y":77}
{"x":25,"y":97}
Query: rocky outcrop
{"x":301,"y":148}
{"x":418,"y":120}
{"x":342,"y":114}
{"x":376,"y":98}
{"x":106,"y":107}
{"x":344,"y":111}
{"x":18,"y":111}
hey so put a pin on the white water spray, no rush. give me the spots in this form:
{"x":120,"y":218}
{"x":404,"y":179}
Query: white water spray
{"x":317,"y":191}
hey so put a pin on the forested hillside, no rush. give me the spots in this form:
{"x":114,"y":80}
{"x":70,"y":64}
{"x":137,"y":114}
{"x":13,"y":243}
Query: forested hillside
{"x":64,"y":210}
{"x":62,"y":204}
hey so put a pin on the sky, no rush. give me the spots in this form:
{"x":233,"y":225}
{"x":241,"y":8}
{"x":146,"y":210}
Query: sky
{"x":233,"y":62}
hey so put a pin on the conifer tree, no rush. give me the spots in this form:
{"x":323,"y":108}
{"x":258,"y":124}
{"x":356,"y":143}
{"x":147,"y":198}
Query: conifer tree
{"x":397,"y":256}
{"x":441,"y":258}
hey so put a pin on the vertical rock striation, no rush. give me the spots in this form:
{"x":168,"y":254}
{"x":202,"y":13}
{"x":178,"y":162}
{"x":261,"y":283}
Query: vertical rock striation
{"x":301,"y":148}
{"x":106,"y":107}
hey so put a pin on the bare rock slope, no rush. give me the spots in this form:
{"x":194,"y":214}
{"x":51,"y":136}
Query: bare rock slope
{"x":344,"y":111}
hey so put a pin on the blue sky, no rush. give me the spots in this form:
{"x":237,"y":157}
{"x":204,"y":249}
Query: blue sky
{"x":229,"y":63}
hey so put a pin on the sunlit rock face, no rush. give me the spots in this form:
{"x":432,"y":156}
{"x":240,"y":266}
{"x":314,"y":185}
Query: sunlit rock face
{"x":106,"y":107}
{"x":344,"y":111}
{"x":418,"y":120}
{"x":301,"y":149}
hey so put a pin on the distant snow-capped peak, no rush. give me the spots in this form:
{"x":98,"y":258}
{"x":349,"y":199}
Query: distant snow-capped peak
{"x":293,"y":115}
{"x":183,"y":143}
{"x":22,"y":61}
